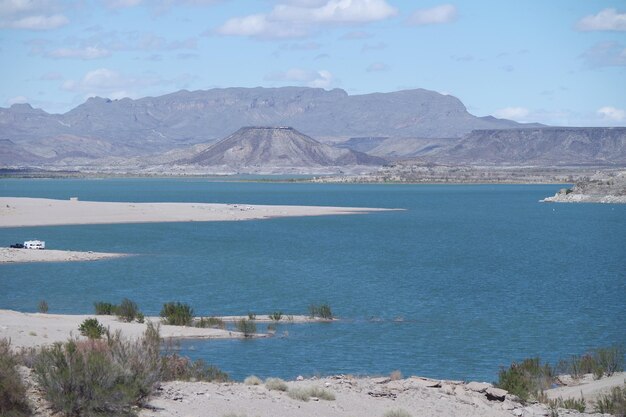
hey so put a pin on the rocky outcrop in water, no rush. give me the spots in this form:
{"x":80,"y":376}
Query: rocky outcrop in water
{"x":600,"y":188}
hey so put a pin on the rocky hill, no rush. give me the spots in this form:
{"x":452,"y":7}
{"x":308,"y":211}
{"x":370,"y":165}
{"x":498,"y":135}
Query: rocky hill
{"x":252,"y":149}
{"x":101,"y":127}
{"x":547,"y":146}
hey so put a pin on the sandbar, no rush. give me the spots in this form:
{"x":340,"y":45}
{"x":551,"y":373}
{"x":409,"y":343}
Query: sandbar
{"x":38,"y":329}
{"x":23,"y":212}
{"x":11,"y":255}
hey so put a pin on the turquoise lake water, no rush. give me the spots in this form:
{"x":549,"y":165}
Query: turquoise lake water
{"x":466,"y":279}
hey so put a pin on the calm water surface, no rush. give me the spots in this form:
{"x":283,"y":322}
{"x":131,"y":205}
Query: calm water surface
{"x":467,"y":278}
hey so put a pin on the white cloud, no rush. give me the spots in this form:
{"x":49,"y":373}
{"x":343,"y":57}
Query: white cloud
{"x":317,"y":79}
{"x":612,"y":114}
{"x":301,"y":17}
{"x":37,"y":22}
{"x":377,"y":67}
{"x":605,"y":54}
{"x":113,"y":84}
{"x":17,"y":100}
{"x":513,"y":113}
{"x":444,"y":13}
{"x":607,"y":19}
{"x":32,"y":14}
{"x":120,"y":4}
{"x":104,"y":82}
{"x":87,"y":53}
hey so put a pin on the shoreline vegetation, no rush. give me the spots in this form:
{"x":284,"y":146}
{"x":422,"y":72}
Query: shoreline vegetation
{"x":110,"y":374}
{"x":126,"y":365}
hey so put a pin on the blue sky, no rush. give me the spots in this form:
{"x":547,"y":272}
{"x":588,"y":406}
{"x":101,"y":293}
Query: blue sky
{"x":559,"y":62}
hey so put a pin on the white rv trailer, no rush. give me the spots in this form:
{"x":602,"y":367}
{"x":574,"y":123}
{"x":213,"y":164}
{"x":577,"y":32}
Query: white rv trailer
{"x":34,"y":244}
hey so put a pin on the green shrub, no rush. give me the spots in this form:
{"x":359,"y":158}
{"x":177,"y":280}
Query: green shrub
{"x":177,"y":314}
{"x":397,"y":413}
{"x":610,"y":359}
{"x":275,"y":384}
{"x":252,"y":380}
{"x":127,"y":310}
{"x":276,"y":315}
{"x":213,"y":322}
{"x":613,"y":403}
{"x":13,"y":401}
{"x":42,"y":306}
{"x":251,"y":316}
{"x":599,"y":362}
{"x":569,"y":403}
{"x":180,"y":368}
{"x":140,"y":318}
{"x":99,"y":377}
{"x":305,"y":394}
{"x":322,"y":311}
{"x":247,"y":327}
{"x":92,"y":328}
{"x":526,"y":379}
{"x":105,"y":309}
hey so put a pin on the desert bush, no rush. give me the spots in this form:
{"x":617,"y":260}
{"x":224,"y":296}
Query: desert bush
{"x":92,"y":328}
{"x":322,"y":311}
{"x":300,"y":394}
{"x":397,"y":413}
{"x":610,"y":359}
{"x":180,"y":368}
{"x":613,"y":403}
{"x":569,"y":403}
{"x":275,"y":384}
{"x":276,"y":315}
{"x":105,"y":377}
{"x":395,"y":375}
{"x":213,"y":322}
{"x":252,"y":380}
{"x":104,"y":309}
{"x":599,"y":362}
{"x":247,"y":327}
{"x":251,"y":316}
{"x":177,"y":314}
{"x":12,"y":390}
{"x":42,"y":307}
{"x":127,"y":310}
{"x":305,"y":394}
{"x":526,"y":379}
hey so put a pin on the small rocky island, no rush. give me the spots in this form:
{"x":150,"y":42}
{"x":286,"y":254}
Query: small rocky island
{"x":605,"y":187}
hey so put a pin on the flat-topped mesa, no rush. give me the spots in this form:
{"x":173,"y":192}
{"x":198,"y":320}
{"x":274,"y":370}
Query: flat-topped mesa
{"x":256,"y":147}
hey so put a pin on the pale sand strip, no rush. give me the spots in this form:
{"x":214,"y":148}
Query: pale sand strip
{"x":36,"y":329}
{"x":10,"y":255}
{"x":21,"y":212}
{"x":364,"y":397}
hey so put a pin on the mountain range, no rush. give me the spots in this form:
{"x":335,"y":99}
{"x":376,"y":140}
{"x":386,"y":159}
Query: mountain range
{"x":326,"y":128}
{"x":102,"y":127}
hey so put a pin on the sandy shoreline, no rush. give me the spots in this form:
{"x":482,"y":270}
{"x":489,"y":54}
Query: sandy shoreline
{"x":36,"y":329}
{"x":366,"y":396}
{"x":24,"y":212}
{"x":11,"y":255}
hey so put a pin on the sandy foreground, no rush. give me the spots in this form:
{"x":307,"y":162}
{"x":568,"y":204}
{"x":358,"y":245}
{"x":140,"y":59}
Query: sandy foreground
{"x":22,"y":212}
{"x":10,"y":255}
{"x":353,"y":397}
{"x":36,"y":329}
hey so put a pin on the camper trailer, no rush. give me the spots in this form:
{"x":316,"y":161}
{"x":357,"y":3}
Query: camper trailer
{"x":34,"y":244}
